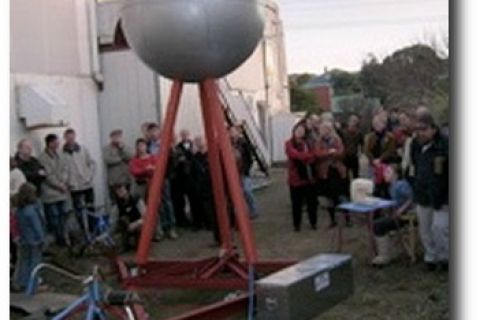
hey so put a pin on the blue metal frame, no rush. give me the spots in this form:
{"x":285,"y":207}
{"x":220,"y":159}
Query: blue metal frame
{"x":92,"y":298}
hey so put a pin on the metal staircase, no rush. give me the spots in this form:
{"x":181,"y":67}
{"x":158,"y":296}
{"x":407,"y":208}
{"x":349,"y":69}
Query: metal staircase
{"x":237,"y":111}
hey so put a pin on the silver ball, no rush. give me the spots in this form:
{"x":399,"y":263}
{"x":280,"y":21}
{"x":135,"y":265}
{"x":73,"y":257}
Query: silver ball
{"x":193,"y":40}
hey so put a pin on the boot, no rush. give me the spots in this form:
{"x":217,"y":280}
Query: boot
{"x":383,"y":246}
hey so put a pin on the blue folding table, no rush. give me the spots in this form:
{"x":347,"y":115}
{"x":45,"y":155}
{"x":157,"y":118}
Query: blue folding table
{"x":364,"y":212}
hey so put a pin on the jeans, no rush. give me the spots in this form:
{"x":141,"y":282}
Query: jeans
{"x":29,"y":256}
{"x":383,"y":226}
{"x":247,"y":186}
{"x":83,"y":199}
{"x":167,"y":214}
{"x":433,"y":226}
{"x":55,"y":216}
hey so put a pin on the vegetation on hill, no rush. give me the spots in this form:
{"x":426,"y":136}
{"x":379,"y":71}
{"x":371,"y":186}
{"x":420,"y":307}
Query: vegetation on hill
{"x":411,"y":76}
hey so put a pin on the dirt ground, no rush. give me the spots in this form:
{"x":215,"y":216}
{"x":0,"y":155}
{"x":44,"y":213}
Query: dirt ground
{"x":398,"y":292}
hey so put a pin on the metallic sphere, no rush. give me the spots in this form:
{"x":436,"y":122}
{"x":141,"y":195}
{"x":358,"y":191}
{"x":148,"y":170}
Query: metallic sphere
{"x":192,"y":40}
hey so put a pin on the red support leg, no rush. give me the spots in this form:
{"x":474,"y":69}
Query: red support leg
{"x":216,"y":174}
{"x":231,"y":170}
{"x":157,"y":183}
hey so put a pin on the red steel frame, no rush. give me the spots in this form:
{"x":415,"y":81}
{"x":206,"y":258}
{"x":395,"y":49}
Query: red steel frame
{"x":225,"y":271}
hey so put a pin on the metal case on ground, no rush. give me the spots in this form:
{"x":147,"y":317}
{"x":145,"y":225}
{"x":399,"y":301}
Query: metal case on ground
{"x":305,"y":289}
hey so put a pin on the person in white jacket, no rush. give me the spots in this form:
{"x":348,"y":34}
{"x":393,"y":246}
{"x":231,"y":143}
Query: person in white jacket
{"x":80,"y":168}
{"x":17,"y":178}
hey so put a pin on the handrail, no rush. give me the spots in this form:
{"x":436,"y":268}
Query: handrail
{"x":68,"y":274}
{"x":32,"y":284}
{"x":229,"y":87}
{"x":248,"y":125}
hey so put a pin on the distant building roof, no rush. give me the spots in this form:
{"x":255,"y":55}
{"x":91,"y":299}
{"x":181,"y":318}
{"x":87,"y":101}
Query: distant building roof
{"x":320,"y":81}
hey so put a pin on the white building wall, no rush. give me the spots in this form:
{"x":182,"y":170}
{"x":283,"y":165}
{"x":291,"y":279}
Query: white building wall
{"x":44,"y":37}
{"x":264,"y":76}
{"x":51,"y":47}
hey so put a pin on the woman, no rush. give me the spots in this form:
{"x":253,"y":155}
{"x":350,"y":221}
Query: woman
{"x":142,"y":167}
{"x":331,"y":171}
{"x":301,"y":177}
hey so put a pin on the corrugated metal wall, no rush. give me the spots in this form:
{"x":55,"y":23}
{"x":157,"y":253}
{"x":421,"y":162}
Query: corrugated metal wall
{"x":128,"y":98}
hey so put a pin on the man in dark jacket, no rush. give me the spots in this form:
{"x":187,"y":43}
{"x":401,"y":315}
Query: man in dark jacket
{"x":29,"y":165}
{"x":430,"y":162}
{"x":184,"y":185}
{"x":244,"y":156}
{"x":203,"y":186}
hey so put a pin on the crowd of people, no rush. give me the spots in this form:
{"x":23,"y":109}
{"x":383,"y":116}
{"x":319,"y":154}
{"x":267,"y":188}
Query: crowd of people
{"x":44,"y":190}
{"x":407,"y":156}
{"x":407,"y":161}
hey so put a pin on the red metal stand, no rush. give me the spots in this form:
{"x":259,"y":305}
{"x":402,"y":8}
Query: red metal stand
{"x":225,"y":271}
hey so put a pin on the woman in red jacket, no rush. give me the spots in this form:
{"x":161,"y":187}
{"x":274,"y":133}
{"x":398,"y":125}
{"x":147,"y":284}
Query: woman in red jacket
{"x":301,"y":177}
{"x":142,"y":167}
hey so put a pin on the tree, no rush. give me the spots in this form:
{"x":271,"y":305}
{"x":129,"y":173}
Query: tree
{"x":301,"y":99}
{"x":372,"y":79}
{"x":345,"y":83}
{"x":409,"y":77}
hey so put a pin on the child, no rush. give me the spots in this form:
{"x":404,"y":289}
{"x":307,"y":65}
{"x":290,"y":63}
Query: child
{"x":131,"y":210}
{"x":402,"y":194}
{"x":32,"y":234}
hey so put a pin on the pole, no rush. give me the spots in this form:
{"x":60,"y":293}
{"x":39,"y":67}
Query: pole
{"x":216,"y":173}
{"x":158,"y":179}
{"x":231,"y":171}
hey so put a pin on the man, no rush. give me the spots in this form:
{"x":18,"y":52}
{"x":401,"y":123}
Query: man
{"x":409,"y":144}
{"x":54,"y":188}
{"x":430,"y":165}
{"x":243,"y":154}
{"x":80,"y":173}
{"x":167,"y":213}
{"x":29,"y":165}
{"x":131,"y":211}
{"x":117,"y":156}
{"x":404,"y":129}
{"x":380,"y":150}
{"x":203,"y":185}
{"x":183,"y":184}
{"x":153,"y":138}
{"x":353,"y":142}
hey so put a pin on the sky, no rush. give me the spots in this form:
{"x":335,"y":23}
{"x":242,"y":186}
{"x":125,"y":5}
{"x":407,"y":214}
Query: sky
{"x":341,"y":33}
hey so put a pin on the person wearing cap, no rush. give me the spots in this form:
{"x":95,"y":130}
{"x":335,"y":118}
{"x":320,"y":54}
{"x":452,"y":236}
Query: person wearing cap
{"x":117,"y":156}
{"x":430,"y":180}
